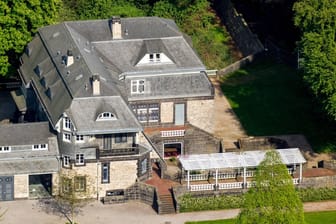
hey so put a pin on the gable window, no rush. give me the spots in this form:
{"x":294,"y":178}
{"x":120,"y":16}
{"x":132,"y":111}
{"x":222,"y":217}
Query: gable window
{"x":155,"y":57}
{"x":66,"y":137}
{"x":80,"y":183}
{"x":106,"y":116}
{"x":137,"y":86}
{"x":5,"y":148}
{"x":79,"y":159}
{"x":119,"y":138}
{"x":79,"y":138}
{"x":66,"y":161}
{"x":105,"y":173}
{"x":40,"y":147}
{"x":67,"y":124}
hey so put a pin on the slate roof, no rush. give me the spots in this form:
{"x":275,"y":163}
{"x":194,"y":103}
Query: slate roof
{"x":83,"y":112}
{"x":22,"y":159}
{"x":95,"y":52}
{"x":24,"y":134}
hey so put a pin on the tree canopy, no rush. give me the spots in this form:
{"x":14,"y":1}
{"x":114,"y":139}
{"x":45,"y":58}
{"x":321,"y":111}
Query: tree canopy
{"x":19,"y":20}
{"x":273,"y":198}
{"x":317,"y":48}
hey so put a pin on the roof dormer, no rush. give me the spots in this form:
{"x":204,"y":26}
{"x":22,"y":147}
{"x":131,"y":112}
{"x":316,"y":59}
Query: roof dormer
{"x":106,"y":116}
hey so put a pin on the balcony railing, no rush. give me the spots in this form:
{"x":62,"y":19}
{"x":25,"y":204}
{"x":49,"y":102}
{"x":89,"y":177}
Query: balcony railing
{"x":172,"y":133}
{"x":119,"y":152}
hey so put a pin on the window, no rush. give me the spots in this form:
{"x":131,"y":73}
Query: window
{"x":40,"y":147}
{"x":79,"y":138}
{"x":67,"y":123}
{"x":66,"y":185}
{"x":144,"y":166}
{"x":153,"y":113}
{"x":106,"y":116}
{"x":79,"y":159}
{"x":138,"y":86}
{"x":105,"y":173}
{"x":119,"y":138}
{"x":67,"y":137}
{"x":80,"y":183}
{"x":5,"y":148}
{"x":147,"y":112}
{"x":66,"y":161}
{"x":155,"y":57}
{"x":151,"y":57}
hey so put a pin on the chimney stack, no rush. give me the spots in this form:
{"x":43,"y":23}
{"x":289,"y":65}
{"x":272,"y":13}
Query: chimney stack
{"x":69,"y":58}
{"x":96,"y":85}
{"x":116,"y":27}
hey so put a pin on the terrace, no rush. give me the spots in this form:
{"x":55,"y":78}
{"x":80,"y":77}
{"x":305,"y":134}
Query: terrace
{"x":232,"y":170}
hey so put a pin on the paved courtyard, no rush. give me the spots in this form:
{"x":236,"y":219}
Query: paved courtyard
{"x":32,"y":211}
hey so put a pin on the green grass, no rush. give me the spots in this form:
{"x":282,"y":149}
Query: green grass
{"x":271,"y":99}
{"x":327,"y":217}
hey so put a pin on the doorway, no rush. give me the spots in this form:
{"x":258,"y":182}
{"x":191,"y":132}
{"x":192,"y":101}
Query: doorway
{"x":40,"y":186}
{"x":6,"y":188}
{"x":172,"y":149}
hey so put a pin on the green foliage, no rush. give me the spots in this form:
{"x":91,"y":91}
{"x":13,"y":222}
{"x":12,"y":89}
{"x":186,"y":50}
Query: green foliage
{"x":19,"y":20}
{"x":270,"y":99}
{"x":273,"y":198}
{"x":188,"y":203}
{"x":317,"y":194}
{"x":316,"y":19}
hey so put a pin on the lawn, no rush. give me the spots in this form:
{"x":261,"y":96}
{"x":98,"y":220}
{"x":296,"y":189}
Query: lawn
{"x":271,"y":99}
{"x":328,"y":217}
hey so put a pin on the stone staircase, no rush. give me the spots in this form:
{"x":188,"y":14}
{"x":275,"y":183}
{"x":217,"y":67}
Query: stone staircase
{"x":166,"y":204}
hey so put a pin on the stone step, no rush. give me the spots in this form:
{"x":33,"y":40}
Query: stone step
{"x":166,"y":205}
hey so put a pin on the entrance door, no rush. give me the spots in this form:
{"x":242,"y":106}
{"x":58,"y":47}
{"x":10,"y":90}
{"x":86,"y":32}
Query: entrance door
{"x":107,"y":144}
{"x":179,"y":114}
{"x":6,"y":188}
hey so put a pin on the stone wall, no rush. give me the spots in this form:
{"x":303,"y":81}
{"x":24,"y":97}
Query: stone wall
{"x":21,"y":189}
{"x":247,"y":42}
{"x":318,"y":182}
{"x":167,"y":112}
{"x":200,"y":114}
{"x":331,"y":164}
{"x":237,"y":65}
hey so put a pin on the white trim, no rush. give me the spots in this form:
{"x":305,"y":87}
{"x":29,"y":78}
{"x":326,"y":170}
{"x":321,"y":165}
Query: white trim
{"x":79,"y":159}
{"x":79,"y":138}
{"x":67,"y":124}
{"x":4,"y":149}
{"x":66,"y":161}
{"x":106,"y":116}
{"x":38,"y":147}
{"x":138,"y":86}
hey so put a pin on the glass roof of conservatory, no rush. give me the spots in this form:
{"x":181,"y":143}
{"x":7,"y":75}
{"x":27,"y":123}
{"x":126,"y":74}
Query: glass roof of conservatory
{"x":237,"y":159}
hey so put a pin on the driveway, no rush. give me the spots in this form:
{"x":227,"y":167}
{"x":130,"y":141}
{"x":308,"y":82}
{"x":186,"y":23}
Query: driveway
{"x":33,"y":211}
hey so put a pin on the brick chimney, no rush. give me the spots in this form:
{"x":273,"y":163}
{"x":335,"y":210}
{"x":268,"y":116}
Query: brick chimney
{"x":116,"y":27}
{"x":95,"y":85}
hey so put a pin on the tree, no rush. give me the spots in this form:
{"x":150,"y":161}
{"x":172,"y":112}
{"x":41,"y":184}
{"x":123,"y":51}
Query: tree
{"x":317,"y":21}
{"x":19,"y":20}
{"x":273,"y":198}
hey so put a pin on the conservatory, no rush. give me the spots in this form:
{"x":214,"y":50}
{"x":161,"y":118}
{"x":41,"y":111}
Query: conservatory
{"x":232,"y":170}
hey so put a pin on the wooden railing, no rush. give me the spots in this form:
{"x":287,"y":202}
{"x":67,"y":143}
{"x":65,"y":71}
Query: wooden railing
{"x":119,"y":152}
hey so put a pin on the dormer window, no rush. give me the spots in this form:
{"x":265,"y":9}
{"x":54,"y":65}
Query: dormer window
{"x":154,"y":57}
{"x":106,"y":116}
{"x":5,"y":148}
{"x":138,"y":86}
{"x":40,"y":147}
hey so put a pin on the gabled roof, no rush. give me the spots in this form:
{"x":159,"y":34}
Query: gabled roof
{"x":83,"y":112}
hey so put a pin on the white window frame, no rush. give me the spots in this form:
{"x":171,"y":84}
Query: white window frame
{"x":79,"y":138}
{"x":67,"y":124}
{"x":106,"y":116}
{"x":150,"y":111}
{"x":66,"y":161}
{"x":38,"y":147}
{"x":4,"y":149}
{"x":138,"y":86}
{"x":79,"y":160}
{"x":66,"y":137}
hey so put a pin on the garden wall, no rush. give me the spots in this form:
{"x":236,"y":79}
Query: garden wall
{"x":318,"y":182}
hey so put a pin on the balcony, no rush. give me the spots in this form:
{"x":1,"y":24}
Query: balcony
{"x":118,"y":152}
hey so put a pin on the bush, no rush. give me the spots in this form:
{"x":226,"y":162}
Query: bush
{"x":190,"y":203}
{"x":316,"y":194}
